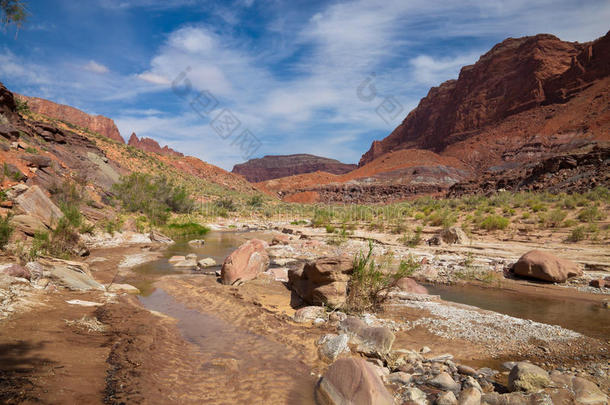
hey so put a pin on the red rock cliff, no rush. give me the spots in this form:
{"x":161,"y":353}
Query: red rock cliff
{"x":514,"y":76}
{"x":97,"y":123}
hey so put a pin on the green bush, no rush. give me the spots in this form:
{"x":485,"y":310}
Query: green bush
{"x":590,"y":214}
{"x":6,"y":230}
{"x":369,"y":282}
{"x":494,"y":222}
{"x":577,"y":234}
{"x":155,"y":197}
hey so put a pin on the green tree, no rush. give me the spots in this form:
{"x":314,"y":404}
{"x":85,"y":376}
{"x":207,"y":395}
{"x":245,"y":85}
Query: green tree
{"x":13,"y":12}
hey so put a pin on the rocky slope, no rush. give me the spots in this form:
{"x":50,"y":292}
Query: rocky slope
{"x":527,"y":100}
{"x":150,"y":145}
{"x":96,"y":123}
{"x":37,"y":150}
{"x":273,"y":167}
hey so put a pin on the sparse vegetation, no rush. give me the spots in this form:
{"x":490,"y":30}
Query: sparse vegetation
{"x":494,"y":222}
{"x":370,"y":282}
{"x":255,"y":201}
{"x":6,"y":230}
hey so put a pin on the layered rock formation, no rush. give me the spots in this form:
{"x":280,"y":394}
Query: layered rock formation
{"x":508,"y":79}
{"x":150,"y":145}
{"x":96,"y":123}
{"x":274,"y":167}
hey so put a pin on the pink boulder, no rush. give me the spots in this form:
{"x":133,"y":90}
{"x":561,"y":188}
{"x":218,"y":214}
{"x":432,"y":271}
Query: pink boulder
{"x":245,"y":263}
{"x":546,"y":266}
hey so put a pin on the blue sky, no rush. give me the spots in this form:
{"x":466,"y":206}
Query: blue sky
{"x":289,"y":71}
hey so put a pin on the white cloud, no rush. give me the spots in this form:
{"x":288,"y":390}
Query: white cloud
{"x":153,"y":78}
{"x":93,"y":66}
{"x":433,"y":71}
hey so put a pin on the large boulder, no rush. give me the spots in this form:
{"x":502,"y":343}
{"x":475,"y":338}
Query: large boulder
{"x":323,"y":281}
{"x":527,"y":377}
{"x":546,"y":266}
{"x":36,"y":203}
{"x":245,"y":263}
{"x":352,"y":381}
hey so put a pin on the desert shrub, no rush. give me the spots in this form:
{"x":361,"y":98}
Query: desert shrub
{"x":444,"y":217}
{"x":255,"y":201}
{"x":330,"y":229}
{"x":494,"y":222}
{"x":601,"y":194}
{"x":577,"y":234}
{"x":112,"y":225}
{"x":298,"y":222}
{"x":226,"y":203}
{"x":590,"y":214}
{"x":369,"y":282}
{"x":141,"y":223}
{"x":552,"y":219}
{"x":155,"y":197}
{"x":6,"y":230}
{"x":22,"y":106}
{"x":191,"y":229}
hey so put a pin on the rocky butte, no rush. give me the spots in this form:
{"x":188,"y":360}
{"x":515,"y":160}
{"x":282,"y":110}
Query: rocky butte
{"x":276,"y":166}
{"x":96,"y":123}
{"x":150,"y":145}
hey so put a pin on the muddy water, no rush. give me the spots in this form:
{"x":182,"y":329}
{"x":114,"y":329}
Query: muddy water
{"x":246,"y":367}
{"x":588,"y":318}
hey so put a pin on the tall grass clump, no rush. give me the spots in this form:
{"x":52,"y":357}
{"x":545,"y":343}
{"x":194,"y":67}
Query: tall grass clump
{"x":370,"y":282}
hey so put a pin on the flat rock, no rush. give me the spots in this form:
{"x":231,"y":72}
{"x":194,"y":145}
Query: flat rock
{"x":122,"y":288}
{"x":308,"y":314}
{"x":69,"y":274}
{"x":36,"y":203}
{"x":28,"y":224}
